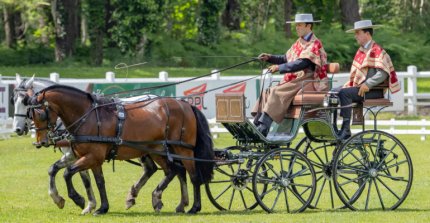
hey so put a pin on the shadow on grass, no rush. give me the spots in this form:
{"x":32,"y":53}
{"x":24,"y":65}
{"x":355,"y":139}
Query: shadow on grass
{"x":254,"y":212}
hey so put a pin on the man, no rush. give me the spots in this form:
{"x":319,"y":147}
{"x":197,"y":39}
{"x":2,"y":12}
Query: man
{"x":371,"y":66}
{"x":304,"y":61}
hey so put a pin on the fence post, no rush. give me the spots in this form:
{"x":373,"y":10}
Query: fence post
{"x":55,"y":77}
{"x":412,"y":90}
{"x":215,"y":74}
{"x":110,"y":76}
{"x":163,"y":75}
{"x":423,"y":129}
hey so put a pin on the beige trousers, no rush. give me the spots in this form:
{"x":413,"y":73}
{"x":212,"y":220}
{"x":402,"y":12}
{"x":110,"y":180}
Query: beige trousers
{"x":276,"y":100}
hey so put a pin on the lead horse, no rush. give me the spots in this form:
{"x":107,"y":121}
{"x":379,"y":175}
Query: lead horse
{"x":175,"y":134}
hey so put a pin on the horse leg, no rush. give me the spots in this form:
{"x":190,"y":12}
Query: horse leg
{"x":157,"y":204}
{"x":184,"y":191}
{"x":85,"y":176}
{"x":53,"y":192}
{"x":73,"y":194}
{"x":197,"y":205}
{"x":100,"y":181}
{"x":149,"y":168}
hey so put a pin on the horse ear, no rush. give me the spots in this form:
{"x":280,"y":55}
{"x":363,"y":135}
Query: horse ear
{"x":18,"y":79}
{"x":29,"y":83}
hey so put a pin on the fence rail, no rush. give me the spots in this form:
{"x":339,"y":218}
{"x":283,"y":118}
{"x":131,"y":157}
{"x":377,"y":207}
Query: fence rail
{"x":391,"y":126}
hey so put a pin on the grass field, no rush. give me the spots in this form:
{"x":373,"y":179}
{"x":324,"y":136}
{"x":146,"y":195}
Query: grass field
{"x":24,"y":193}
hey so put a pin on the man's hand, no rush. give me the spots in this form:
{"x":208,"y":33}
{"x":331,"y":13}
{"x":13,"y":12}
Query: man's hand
{"x":363,"y":89}
{"x":264,"y":56}
{"x":272,"y":69}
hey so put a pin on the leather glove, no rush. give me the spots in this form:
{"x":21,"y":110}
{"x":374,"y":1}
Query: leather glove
{"x":264,"y":56}
{"x":363,"y":89}
{"x":273,"y":68}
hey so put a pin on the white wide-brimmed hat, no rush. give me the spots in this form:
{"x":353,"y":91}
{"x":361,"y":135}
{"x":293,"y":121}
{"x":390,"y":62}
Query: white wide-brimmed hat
{"x":363,"y":24}
{"x":303,"y":18}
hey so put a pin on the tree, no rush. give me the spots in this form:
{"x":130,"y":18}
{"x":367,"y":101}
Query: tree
{"x":349,"y":11}
{"x":133,"y":24}
{"x":65,"y":18}
{"x":96,"y":11}
{"x":288,"y":8}
{"x":13,"y":25}
{"x":208,"y":21}
{"x":231,"y":15}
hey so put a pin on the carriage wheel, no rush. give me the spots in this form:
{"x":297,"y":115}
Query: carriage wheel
{"x":283,"y":170}
{"x":230,"y":189}
{"x":321,"y":154}
{"x":372,"y":170}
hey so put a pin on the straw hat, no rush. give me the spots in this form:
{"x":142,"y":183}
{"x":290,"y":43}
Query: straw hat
{"x":363,"y":24}
{"x":303,"y":18}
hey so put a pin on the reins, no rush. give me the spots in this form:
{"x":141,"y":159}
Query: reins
{"x":184,"y":81}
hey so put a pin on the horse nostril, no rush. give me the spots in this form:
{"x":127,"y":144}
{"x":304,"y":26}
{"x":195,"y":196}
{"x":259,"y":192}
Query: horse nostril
{"x":18,"y":131}
{"x":37,"y":145}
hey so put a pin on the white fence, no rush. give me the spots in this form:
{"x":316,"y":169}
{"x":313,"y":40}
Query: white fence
{"x":6,"y":128}
{"x":395,"y":127}
{"x":412,"y":98}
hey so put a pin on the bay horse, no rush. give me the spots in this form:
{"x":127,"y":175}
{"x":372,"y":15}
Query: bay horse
{"x":173,"y":133}
{"x":21,"y":124}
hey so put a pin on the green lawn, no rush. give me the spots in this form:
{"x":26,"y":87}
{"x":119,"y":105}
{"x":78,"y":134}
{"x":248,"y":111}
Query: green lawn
{"x":24,"y":197}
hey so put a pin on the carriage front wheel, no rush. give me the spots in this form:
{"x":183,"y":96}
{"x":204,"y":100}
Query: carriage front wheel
{"x":275,"y":175}
{"x":372,"y":171}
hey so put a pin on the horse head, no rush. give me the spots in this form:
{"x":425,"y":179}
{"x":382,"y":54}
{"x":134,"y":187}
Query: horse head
{"x":20,"y":121}
{"x":23,"y":87}
{"x":44,"y":120}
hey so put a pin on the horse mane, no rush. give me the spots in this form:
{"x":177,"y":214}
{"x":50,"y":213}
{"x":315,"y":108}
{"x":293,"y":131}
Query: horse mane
{"x":93,"y":98}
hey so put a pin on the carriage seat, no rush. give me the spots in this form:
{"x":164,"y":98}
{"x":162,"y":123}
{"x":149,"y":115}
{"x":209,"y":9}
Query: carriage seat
{"x":308,"y":95}
{"x":379,"y":101}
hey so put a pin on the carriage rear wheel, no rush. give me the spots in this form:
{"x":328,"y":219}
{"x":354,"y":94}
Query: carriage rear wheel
{"x":276,"y":174}
{"x":321,"y":154}
{"x":372,"y":171}
{"x":230,"y":189}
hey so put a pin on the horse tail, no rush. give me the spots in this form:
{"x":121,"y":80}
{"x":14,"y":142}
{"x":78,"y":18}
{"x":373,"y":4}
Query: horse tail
{"x":203,"y":149}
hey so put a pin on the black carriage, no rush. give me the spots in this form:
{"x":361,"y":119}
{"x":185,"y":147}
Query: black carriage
{"x":370,"y":170}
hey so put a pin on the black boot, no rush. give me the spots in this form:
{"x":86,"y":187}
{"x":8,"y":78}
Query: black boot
{"x":345,"y":131}
{"x":264,"y":124}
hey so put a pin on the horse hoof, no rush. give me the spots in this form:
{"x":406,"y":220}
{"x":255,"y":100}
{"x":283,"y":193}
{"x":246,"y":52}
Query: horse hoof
{"x":158,"y":206}
{"x":61,"y":202}
{"x":100,"y":212}
{"x":129,"y":203}
{"x":194,"y":210}
{"x":180,"y":209}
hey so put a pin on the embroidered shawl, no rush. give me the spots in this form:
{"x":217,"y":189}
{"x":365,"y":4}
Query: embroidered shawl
{"x":374,"y":57}
{"x":314,"y":51}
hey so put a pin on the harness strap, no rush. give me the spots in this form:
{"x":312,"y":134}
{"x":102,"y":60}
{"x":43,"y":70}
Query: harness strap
{"x":119,"y":128}
{"x":120,"y":142}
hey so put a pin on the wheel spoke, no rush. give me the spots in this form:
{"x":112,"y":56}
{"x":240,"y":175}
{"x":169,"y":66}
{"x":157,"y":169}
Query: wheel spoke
{"x":243,"y":199}
{"x":368,"y":195}
{"x":222,"y":192}
{"x":379,"y":195}
{"x":276,"y":200}
{"x":320,"y":193}
{"x":231,"y":199}
{"x":286,"y":201}
{"x":394,"y":165}
{"x":393,"y":178}
{"x":352,"y":180}
{"x":388,"y":188}
{"x":353,"y":198}
{"x":385,"y":157}
{"x":220,"y":181}
{"x":296,"y":195}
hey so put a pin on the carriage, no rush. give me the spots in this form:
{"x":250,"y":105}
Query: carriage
{"x":371,"y":170}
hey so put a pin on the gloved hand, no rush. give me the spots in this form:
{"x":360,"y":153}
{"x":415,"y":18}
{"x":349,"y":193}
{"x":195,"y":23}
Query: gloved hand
{"x":273,"y":68}
{"x":363,"y":89}
{"x":264,"y":56}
